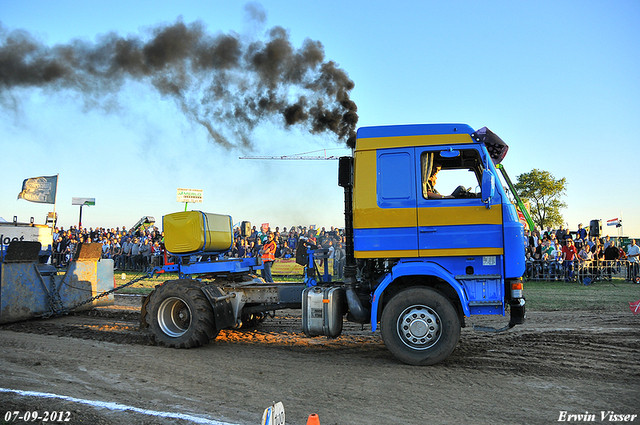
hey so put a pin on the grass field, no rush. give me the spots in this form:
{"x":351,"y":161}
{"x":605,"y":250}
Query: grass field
{"x":605,"y":296}
{"x":145,"y":286}
{"x":541,"y":296}
{"x":142,"y":287}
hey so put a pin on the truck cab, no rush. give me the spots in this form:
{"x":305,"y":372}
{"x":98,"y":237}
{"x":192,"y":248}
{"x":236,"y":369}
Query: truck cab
{"x":462,"y":248}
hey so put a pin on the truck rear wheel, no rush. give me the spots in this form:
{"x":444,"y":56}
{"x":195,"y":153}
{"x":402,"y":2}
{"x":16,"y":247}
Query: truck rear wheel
{"x":420,"y":326}
{"x":179,"y":315}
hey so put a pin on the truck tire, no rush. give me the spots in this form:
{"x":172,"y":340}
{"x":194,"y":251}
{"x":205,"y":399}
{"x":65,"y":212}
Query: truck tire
{"x":420,"y":326}
{"x":180,"y":316}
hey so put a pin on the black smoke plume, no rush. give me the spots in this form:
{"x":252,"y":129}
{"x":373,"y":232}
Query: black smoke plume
{"x":220,"y":81}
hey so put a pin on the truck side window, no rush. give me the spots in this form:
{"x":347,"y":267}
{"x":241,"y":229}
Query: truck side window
{"x":440,"y":177}
{"x":396,"y":184}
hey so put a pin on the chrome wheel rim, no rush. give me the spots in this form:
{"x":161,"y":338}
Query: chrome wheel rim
{"x":419,"y":327}
{"x":174,"y":317}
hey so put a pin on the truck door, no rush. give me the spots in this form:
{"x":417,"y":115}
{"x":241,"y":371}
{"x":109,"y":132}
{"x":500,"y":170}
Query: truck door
{"x":462,"y":226}
{"x":385,"y":204}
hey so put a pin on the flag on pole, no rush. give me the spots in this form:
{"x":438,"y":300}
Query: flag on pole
{"x":635,"y":307}
{"x":613,"y":222}
{"x":40,"y":189}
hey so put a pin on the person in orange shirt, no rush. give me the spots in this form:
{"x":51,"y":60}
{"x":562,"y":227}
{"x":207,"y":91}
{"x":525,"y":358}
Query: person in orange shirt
{"x":268,"y":257}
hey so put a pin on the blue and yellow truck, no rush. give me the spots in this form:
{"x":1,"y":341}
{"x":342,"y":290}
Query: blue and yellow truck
{"x":418,"y":263}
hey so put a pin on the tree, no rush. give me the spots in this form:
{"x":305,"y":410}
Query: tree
{"x":543,"y":192}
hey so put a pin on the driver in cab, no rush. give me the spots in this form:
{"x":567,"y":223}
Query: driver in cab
{"x":432,"y":193}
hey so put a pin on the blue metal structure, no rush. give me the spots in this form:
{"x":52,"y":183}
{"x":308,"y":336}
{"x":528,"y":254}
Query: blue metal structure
{"x":29,"y":289}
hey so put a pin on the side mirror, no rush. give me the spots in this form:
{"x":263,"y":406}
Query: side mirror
{"x":488,"y":187}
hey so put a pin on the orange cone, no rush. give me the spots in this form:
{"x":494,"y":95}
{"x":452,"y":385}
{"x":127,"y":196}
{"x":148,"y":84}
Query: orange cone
{"x":313,"y":419}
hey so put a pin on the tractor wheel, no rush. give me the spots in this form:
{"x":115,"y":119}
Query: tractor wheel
{"x":179,"y":315}
{"x":420,"y":326}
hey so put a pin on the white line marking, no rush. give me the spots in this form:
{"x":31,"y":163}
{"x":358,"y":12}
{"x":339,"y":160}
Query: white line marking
{"x":117,"y":406}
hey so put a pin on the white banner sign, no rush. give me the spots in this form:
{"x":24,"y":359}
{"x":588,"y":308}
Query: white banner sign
{"x":189,"y":195}
{"x":83,"y":201}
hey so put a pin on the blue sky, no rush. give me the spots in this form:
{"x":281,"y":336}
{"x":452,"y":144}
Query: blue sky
{"x":558,"y":81}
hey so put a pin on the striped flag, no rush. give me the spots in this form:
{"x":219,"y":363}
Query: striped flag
{"x":613,"y":222}
{"x":40,"y":189}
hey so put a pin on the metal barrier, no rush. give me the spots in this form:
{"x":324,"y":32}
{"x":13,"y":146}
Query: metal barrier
{"x":585,"y":272}
{"x":60,"y":259}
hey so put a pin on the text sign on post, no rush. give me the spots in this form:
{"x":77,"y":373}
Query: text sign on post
{"x":189,"y":195}
{"x":83,"y":201}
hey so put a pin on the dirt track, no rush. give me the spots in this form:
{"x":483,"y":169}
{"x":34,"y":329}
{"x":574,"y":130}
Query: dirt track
{"x":577,"y":362}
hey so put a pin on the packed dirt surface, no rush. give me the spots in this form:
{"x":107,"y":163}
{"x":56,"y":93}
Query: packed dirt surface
{"x":99,"y":368}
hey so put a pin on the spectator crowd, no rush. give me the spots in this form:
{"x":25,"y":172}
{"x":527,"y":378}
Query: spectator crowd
{"x":131,"y":250}
{"x":142,"y":249}
{"x":574,"y":255}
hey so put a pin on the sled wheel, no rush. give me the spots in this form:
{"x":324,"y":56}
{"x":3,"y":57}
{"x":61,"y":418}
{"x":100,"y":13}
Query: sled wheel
{"x":179,"y":315}
{"x":420,"y":326}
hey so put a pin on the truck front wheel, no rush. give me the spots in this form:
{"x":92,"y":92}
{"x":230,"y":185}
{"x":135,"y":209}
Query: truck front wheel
{"x":179,"y":315}
{"x":420,"y":326}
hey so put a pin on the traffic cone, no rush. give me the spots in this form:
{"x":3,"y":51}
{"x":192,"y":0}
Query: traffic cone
{"x":313,"y":419}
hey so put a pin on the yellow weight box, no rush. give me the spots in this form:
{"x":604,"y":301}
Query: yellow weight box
{"x":193,"y":231}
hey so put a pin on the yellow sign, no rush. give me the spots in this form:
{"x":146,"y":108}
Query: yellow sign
{"x":289,"y":267}
{"x":286,"y":267}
